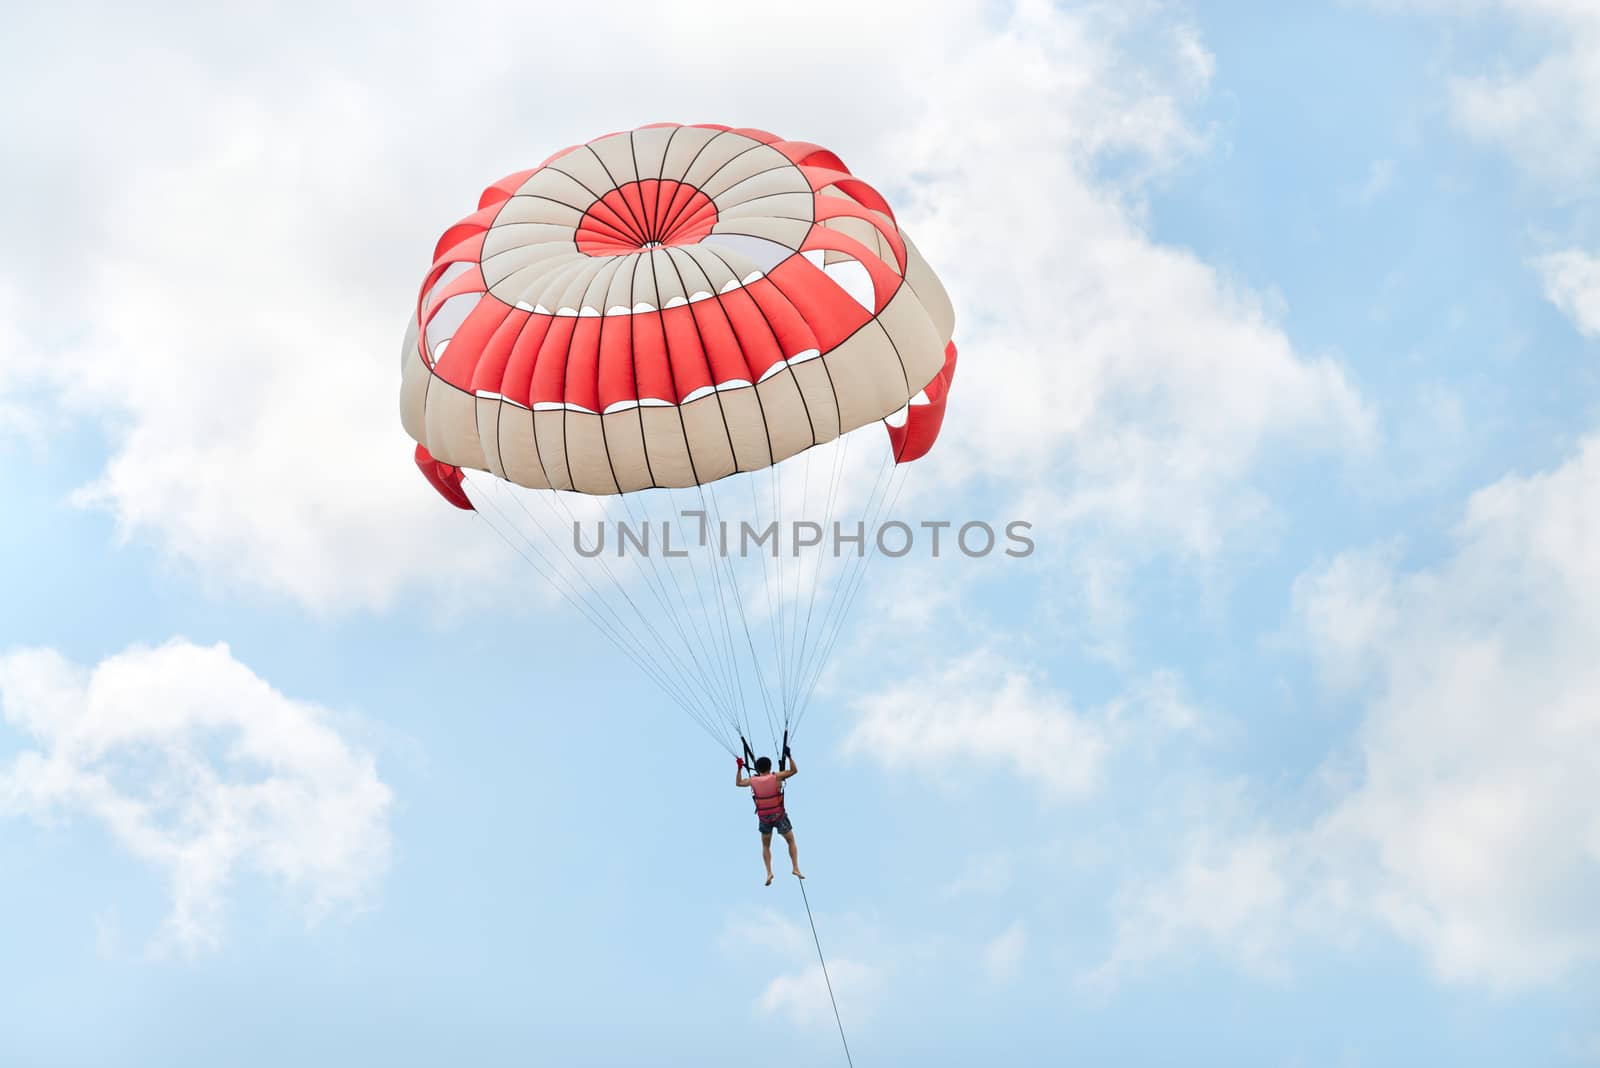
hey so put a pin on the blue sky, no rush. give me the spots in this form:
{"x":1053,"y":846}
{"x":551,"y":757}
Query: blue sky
{"x":1281,"y":328}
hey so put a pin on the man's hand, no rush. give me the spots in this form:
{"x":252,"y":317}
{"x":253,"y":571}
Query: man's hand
{"x":738,"y":773}
{"x":792,"y":770}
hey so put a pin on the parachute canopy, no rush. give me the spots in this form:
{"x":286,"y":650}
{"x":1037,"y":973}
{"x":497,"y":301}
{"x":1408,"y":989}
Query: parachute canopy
{"x":669,"y":306}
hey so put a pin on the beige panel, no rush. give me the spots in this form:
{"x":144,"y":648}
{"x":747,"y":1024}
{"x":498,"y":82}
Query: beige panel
{"x":625,"y":445}
{"x":414,"y":375}
{"x":782,"y":205}
{"x":619,"y":294}
{"x":788,"y":421}
{"x":505,"y":236}
{"x":929,"y":290}
{"x":551,"y":443}
{"x":543,"y":283}
{"x":885,"y":251}
{"x":702,"y":270}
{"x":717,"y":153}
{"x":644,"y":279}
{"x":571,"y":294}
{"x":488,"y":409}
{"x":408,"y":344}
{"x":918,"y":342}
{"x":747,"y":427}
{"x":518,"y":452}
{"x":616,"y":153}
{"x":527,"y":260}
{"x":686,"y":145}
{"x":451,"y":422}
{"x":747,"y":165}
{"x":648,"y":148}
{"x":528,"y":209}
{"x":812,"y":376}
{"x":759,"y":183}
{"x":867,"y":378}
{"x":708,"y":438}
{"x":600,"y":285}
{"x":668,"y":449}
{"x":587,"y":458}
{"x":790,"y":232}
{"x":666,"y":283}
{"x":582,"y":167}
{"x":557,"y":185}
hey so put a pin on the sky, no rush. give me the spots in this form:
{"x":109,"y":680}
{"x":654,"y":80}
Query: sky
{"x":1280,"y":324}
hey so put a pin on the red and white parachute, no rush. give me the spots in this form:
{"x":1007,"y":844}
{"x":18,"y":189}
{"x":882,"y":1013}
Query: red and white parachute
{"x":638,"y":324}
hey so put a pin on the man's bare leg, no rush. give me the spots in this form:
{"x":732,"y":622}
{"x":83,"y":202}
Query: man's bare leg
{"x":794,"y":856}
{"x":766,"y":854}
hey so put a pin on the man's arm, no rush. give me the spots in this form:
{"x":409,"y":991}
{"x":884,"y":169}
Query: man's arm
{"x":791,"y":771}
{"x":738,"y":773}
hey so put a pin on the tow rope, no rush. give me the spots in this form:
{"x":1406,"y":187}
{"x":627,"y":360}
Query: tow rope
{"x":821,"y":960}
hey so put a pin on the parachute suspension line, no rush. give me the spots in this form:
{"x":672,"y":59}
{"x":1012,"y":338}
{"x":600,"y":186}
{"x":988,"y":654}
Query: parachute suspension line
{"x":689,"y":680}
{"x":639,"y":656}
{"x":621,"y":626}
{"x":839,"y":575}
{"x":729,"y":654}
{"x":738,"y":599}
{"x":669,"y":663}
{"x":852,"y":589}
{"x":719,"y":586}
{"x":851,"y":596}
{"x":823,"y":961}
{"x":842,"y":578}
{"x":799,"y":565}
{"x":652,"y":582}
{"x":637,"y":651}
{"x":850,"y":599}
{"x":681,"y":619}
{"x":841,"y":455}
{"x":835,"y":509}
{"x":557,"y":501}
{"x":780,"y":632}
{"x":724,"y":648}
{"x":658,"y":592}
{"x":774,"y":622}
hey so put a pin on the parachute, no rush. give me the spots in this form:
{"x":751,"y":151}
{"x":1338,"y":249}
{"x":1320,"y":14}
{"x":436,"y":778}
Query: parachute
{"x":659,"y":341}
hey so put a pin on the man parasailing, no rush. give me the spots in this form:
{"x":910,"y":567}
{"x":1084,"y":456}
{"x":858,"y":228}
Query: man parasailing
{"x":767,"y":789}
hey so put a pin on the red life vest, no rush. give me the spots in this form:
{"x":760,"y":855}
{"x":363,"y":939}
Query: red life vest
{"x":768,"y":791}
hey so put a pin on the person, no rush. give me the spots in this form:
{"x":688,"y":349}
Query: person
{"x":767,"y":789}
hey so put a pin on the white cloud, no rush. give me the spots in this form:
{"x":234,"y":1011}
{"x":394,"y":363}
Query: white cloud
{"x":1545,"y":113}
{"x":1347,"y":608}
{"x":983,"y":711}
{"x":199,"y":768}
{"x":1231,"y":891}
{"x":798,"y":993}
{"x":801,"y":997}
{"x":1002,"y":956}
{"x":1127,"y":386}
{"x":1466,"y":818}
{"x":1572,"y":283}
